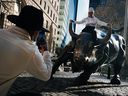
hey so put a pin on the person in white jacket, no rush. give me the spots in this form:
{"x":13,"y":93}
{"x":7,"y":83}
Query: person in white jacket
{"x":90,"y":23}
{"x":18,"y":53}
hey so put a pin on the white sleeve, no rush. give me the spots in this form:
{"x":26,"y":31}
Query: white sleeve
{"x":101,"y":23}
{"x":40,"y":66}
{"x":81,"y":22}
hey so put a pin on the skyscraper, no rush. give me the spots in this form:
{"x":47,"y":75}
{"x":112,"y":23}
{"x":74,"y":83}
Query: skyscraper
{"x":82,"y":12}
{"x":67,"y":11}
{"x":73,"y":6}
{"x":62,"y":22}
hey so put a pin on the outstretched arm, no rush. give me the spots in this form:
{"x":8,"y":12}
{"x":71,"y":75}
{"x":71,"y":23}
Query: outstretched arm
{"x":80,"y":22}
{"x":101,"y":23}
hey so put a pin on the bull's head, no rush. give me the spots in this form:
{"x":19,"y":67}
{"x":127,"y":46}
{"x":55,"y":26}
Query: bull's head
{"x":84,"y":47}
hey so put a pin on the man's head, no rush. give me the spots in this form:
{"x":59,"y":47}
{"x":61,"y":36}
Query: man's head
{"x":30,"y":18}
{"x":91,"y":12}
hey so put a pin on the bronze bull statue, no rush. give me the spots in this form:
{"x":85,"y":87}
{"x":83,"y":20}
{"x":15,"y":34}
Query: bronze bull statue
{"x":85,"y":56}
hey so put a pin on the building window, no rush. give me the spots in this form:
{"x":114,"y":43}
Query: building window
{"x":58,"y":32}
{"x":40,"y":2}
{"x":44,"y":5}
{"x":57,"y":8}
{"x":48,"y":10}
{"x":57,"y":38}
{"x":2,"y":17}
{"x":46,"y":24}
{"x":61,"y":13}
{"x":60,"y":19}
{"x":61,"y":7}
{"x":51,"y":14}
{"x":56,"y":20}
{"x":55,"y":4}
{"x":55,"y":32}
{"x":52,"y":1}
{"x":58,"y":26}
{"x":56,"y":45}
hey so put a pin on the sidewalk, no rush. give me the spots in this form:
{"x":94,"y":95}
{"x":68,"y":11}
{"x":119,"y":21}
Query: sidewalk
{"x":61,"y":86}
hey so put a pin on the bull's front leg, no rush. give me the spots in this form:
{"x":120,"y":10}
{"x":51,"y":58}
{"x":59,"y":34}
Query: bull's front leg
{"x":89,"y":69}
{"x":61,"y":60}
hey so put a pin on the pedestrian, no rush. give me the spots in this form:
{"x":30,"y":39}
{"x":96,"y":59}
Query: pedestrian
{"x":18,"y":51}
{"x":90,"y":23}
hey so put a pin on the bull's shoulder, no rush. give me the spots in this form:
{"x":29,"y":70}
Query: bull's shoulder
{"x":100,"y":34}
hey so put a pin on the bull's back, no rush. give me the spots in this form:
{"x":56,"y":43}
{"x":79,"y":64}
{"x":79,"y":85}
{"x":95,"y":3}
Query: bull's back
{"x":116,"y":47}
{"x":122,"y":42}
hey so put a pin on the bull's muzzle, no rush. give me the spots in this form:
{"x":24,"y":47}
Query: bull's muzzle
{"x":77,"y":54}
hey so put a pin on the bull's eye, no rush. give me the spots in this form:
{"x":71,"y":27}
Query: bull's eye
{"x":78,"y":41}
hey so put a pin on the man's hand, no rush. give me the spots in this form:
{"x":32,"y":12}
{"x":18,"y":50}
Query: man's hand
{"x":71,"y":21}
{"x":43,"y":48}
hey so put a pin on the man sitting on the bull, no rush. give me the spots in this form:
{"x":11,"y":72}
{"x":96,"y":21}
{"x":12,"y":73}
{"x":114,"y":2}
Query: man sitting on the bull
{"x":90,"y":23}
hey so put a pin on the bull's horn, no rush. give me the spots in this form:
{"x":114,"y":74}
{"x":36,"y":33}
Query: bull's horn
{"x":73,"y":35}
{"x":107,"y":37}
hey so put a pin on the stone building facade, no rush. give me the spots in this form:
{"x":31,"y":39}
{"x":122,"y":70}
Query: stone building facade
{"x":6,"y":8}
{"x":50,"y":9}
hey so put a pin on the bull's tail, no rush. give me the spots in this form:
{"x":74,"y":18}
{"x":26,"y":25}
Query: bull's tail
{"x":122,"y":43}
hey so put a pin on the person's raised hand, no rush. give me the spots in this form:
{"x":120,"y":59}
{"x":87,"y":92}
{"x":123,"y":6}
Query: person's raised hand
{"x":71,"y":21}
{"x":43,"y":48}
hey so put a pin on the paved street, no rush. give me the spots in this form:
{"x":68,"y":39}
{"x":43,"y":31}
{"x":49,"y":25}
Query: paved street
{"x":61,"y":85}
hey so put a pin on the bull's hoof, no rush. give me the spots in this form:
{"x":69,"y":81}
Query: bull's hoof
{"x":115,"y":81}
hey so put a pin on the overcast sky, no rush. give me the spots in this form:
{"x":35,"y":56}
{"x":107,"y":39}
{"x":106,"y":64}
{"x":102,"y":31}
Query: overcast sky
{"x":82,"y":12}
